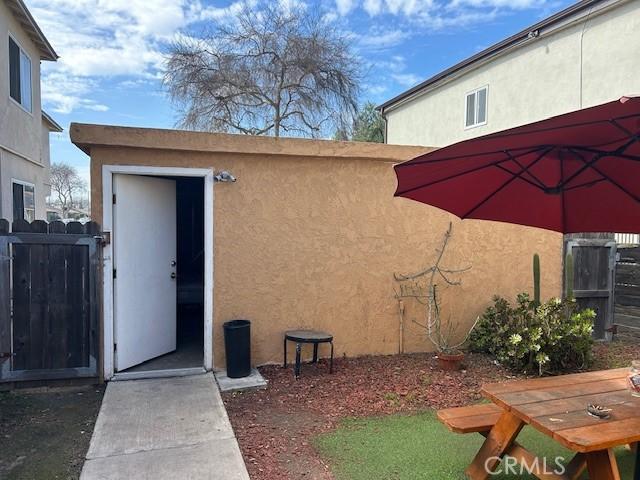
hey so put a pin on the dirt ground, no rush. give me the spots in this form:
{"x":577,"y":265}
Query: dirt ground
{"x":275,"y":427}
{"x":45,"y":433}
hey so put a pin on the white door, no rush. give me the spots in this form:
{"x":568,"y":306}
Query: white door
{"x":144,"y":246}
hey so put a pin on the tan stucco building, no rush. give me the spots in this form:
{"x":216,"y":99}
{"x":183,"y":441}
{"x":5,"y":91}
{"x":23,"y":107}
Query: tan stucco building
{"x":24,"y":126}
{"x":583,"y":56}
{"x":309,"y":236}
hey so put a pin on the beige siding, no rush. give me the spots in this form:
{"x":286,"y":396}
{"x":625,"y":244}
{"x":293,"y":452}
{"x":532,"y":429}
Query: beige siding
{"x":542,"y":79}
{"x":24,"y":152}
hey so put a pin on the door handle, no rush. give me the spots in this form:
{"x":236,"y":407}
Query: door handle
{"x":173,"y":275}
{"x":173,"y":263}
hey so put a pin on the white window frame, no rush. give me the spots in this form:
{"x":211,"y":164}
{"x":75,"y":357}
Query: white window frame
{"x":486,"y":112}
{"x":22,"y":52}
{"x":24,"y":208}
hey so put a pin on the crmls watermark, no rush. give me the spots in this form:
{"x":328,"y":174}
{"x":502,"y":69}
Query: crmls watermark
{"x":513,"y":466}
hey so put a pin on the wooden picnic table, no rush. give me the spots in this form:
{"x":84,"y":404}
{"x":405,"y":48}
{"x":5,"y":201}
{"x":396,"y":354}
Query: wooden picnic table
{"x":556,"y":406}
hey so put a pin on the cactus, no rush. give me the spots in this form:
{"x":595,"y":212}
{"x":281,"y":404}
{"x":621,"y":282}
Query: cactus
{"x":568,"y":276}
{"x":536,"y":280}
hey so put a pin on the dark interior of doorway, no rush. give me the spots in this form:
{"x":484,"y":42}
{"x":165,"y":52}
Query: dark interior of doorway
{"x":190,"y":277}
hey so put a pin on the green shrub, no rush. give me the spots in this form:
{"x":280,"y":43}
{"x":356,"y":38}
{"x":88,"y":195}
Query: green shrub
{"x":554,"y":337}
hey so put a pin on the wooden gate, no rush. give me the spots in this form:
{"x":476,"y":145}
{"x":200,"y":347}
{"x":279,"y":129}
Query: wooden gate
{"x":628,"y":287}
{"x":594,"y":263}
{"x":48,"y":300}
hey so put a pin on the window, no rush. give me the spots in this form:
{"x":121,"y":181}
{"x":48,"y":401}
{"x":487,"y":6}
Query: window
{"x":19,"y":75}
{"x":476,"y":108}
{"x":24,"y":201}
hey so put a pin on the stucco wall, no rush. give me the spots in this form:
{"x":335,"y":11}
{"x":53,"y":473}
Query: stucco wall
{"x":536,"y":81}
{"x":12,"y":168}
{"x":19,"y":129}
{"x":313,"y":242}
{"x":24,"y":143}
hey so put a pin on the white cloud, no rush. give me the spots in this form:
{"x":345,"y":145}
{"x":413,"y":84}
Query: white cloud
{"x":406,"y":79}
{"x":345,"y":6}
{"x":372,"y":7}
{"x":64,"y":93}
{"x":102,"y":39}
{"x":375,"y":90}
{"x":108,"y":38}
{"x":220,"y":13}
{"x":379,"y":40}
{"x":514,"y":4}
{"x":439,"y":14}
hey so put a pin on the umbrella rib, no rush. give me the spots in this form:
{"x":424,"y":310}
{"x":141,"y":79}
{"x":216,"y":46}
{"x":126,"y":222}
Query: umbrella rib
{"x":532,"y":183}
{"x":591,"y":165}
{"x":515,"y":176}
{"x":472,"y":170}
{"x":585,"y":184}
{"x":423,"y":185}
{"x":598,"y":154}
{"x":625,"y":156}
{"x":617,"y":152}
{"x":587,"y":164}
{"x":614,"y":122}
{"x":556,"y":128}
{"x":635,"y":197}
{"x":536,"y":181}
{"x":411,"y":163}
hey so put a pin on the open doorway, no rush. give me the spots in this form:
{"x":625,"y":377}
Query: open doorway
{"x":174,"y":322}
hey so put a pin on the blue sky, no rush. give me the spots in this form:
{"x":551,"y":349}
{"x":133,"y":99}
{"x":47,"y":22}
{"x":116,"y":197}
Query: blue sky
{"x":112,"y":50}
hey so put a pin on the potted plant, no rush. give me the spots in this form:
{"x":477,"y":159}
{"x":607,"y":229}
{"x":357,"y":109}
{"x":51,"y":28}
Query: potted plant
{"x":447,"y":337}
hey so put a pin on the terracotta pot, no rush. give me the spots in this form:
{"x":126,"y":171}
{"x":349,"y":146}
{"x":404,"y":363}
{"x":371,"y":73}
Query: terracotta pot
{"x":450,"y":361}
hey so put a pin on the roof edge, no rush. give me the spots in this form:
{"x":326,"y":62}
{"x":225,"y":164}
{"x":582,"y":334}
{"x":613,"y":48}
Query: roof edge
{"x":86,"y":136}
{"x":19,"y":8}
{"x":510,"y":42}
{"x":55,"y":126}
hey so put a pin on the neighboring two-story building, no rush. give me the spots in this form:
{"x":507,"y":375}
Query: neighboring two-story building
{"x":24,"y":126}
{"x":585,"y":55}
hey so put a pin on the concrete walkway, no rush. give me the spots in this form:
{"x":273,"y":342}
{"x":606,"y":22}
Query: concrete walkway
{"x":166,"y":428}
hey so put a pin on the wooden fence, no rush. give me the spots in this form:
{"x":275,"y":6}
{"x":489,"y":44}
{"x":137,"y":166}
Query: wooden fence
{"x":48,"y":300}
{"x":627,"y":238}
{"x":628,"y":287}
{"x":593,"y":282}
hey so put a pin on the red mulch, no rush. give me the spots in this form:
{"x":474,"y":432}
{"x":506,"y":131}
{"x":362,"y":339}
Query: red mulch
{"x":619,"y":353}
{"x":275,"y":426}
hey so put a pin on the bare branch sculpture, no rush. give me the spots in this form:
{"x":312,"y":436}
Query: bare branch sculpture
{"x":422,"y":287}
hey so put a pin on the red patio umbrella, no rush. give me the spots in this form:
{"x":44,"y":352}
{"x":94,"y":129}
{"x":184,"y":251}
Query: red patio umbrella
{"x":578,"y":172}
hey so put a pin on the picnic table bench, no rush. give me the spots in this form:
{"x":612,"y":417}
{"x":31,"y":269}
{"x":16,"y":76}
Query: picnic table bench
{"x":556,"y":406}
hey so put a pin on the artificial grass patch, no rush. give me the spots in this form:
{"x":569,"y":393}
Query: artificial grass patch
{"x":402,"y":447}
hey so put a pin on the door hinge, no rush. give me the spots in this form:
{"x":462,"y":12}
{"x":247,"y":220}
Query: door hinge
{"x":114,"y":273}
{"x":115,"y":347}
{"x":114,"y":198}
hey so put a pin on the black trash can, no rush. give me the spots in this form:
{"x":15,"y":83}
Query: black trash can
{"x":237,"y":345}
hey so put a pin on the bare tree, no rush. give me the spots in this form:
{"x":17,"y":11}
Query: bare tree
{"x":271,"y":71}
{"x":67,"y":186}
